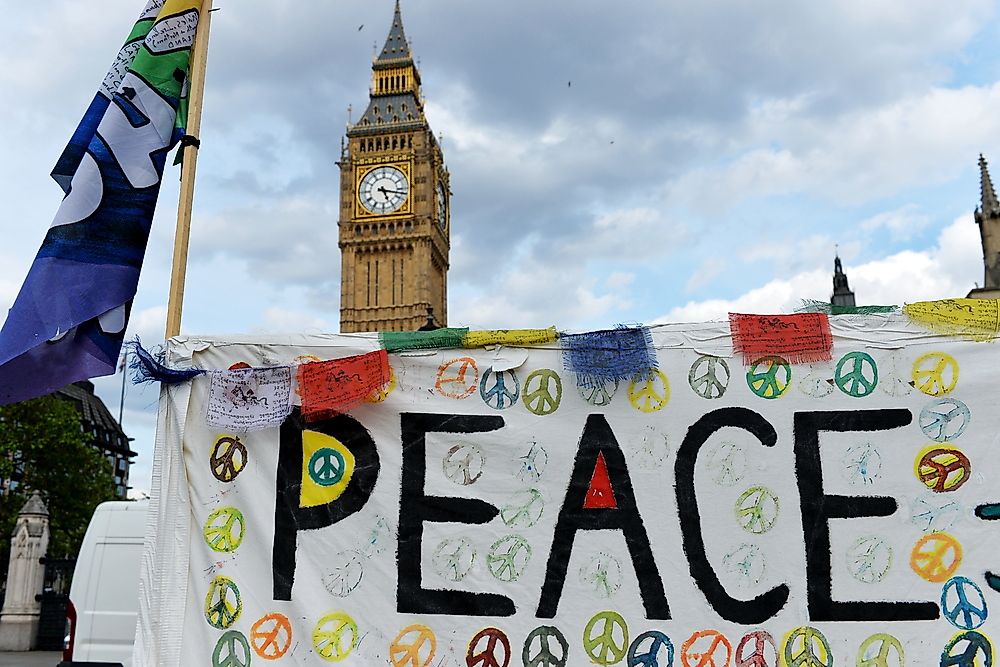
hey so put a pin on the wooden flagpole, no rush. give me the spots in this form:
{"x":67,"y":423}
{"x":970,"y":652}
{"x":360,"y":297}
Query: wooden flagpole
{"x":189,"y":167}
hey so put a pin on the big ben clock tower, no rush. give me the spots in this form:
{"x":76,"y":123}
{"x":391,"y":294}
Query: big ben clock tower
{"x":394,"y":204}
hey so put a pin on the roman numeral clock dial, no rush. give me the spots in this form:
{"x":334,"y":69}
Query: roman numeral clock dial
{"x":384,"y":190}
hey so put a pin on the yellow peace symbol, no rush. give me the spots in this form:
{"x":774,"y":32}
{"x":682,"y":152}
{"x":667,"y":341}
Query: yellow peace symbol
{"x":602,"y":647}
{"x":807,"y":647}
{"x":878,"y":650}
{"x":407,"y":649}
{"x":935,"y":373}
{"x":383,"y":393}
{"x":223,"y":604}
{"x":224,"y":529}
{"x":335,"y":636}
{"x":542,"y":392}
{"x":649,"y":391}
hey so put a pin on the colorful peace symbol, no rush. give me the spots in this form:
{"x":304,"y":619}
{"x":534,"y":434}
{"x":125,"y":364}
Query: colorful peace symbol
{"x":547,"y":655}
{"x":453,"y":558}
{"x":935,"y":373}
{"x":335,"y":636}
{"x":464,"y":464}
{"x":709,"y":376}
{"x":223,"y":604}
{"x":229,"y":458}
{"x":943,"y":469}
{"x":762,"y":650}
{"x":869,"y":559}
{"x":493,"y":652}
{"x":963,"y":604}
{"x":757,"y":510}
{"x":974,"y":645}
{"x":524,"y":509}
{"x":807,"y":647}
{"x":944,"y":419}
{"x":605,"y":639}
{"x":649,"y":391}
{"x":232,"y":650}
{"x":508,"y":557}
{"x":271,"y":636}
{"x":706,"y":648}
{"x":936,"y":557}
{"x":414,"y":646}
{"x":457,"y":378}
{"x":499,"y":389}
{"x":598,"y":392}
{"x":224,"y":529}
{"x":327,"y":466}
{"x":769,"y":377}
{"x":651,"y":649}
{"x":881,"y":650}
{"x":542,"y":392}
{"x":856,"y":374}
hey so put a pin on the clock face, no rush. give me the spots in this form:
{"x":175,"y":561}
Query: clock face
{"x":384,"y":190}
{"x":442,"y":202}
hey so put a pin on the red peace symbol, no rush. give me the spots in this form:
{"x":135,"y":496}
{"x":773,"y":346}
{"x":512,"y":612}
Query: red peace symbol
{"x":762,"y":648}
{"x":494,"y":653}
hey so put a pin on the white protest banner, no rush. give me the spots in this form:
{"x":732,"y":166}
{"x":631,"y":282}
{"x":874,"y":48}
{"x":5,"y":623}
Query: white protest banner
{"x":704,"y":513}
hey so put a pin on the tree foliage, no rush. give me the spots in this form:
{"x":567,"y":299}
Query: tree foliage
{"x":43,"y":448}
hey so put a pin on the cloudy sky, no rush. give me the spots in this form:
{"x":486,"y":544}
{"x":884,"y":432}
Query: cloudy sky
{"x":621,"y":162}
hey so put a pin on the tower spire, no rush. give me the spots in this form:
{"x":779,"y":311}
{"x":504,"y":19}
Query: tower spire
{"x":396,"y":47}
{"x":988,"y":220}
{"x":989,"y":205}
{"x":842,"y":293}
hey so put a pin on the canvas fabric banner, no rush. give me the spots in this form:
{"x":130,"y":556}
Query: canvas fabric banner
{"x":704,"y":512}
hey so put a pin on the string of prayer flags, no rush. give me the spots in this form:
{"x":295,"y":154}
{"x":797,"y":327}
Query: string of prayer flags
{"x":401,"y":341}
{"x":813,"y":306}
{"x":249,"y":399}
{"x":978,"y":319}
{"x":510,"y":337}
{"x":612,"y":354}
{"x":799,"y":338}
{"x":334,"y":387}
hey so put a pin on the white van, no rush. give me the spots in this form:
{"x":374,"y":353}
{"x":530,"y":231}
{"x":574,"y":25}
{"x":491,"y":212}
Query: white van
{"x":104,"y":596}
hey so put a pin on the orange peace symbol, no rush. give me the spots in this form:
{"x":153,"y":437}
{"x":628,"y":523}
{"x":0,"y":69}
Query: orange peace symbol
{"x":271,"y":636}
{"x":936,"y":557}
{"x":704,"y":654}
{"x":408,"y":648}
{"x":457,"y":378}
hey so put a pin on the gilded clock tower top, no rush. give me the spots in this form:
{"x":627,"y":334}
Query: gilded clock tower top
{"x":395,"y":199}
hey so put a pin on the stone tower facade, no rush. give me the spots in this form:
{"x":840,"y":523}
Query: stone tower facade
{"x":988,"y":219}
{"x":394,"y":204}
{"x":843,"y":295}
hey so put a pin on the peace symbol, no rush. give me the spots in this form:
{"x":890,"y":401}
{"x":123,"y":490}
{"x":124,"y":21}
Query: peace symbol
{"x":651,"y":655}
{"x":271,"y":636}
{"x":762,"y":653}
{"x":856,"y":374}
{"x":935,"y":373}
{"x":524,"y":509}
{"x":769,"y":377}
{"x":976,"y":644}
{"x":547,"y":655}
{"x":701,"y":648}
{"x":603,"y":573}
{"x":944,"y":419}
{"x":757,"y":510}
{"x":508,"y":557}
{"x":869,"y":559}
{"x":495,"y":652}
{"x":224,"y":529}
{"x":935,"y":557}
{"x":709,"y":376}
{"x":943,"y":469}
{"x":503,"y":392}
{"x":863,"y":463}
{"x":533,"y":463}
{"x":229,"y":457}
{"x":542,"y":392}
{"x":746,"y":564}
{"x":599,"y":392}
{"x":327,"y":466}
{"x":345,"y":574}
{"x":649,"y":391}
{"x":609,"y":643}
{"x":335,"y":636}
{"x":457,"y":378}
{"x":463,"y":464}
{"x":893,"y":384}
{"x":878,"y":651}
{"x":655,"y":448}
{"x":807,"y":647}
{"x":817,"y":383}
{"x":454,"y":558}
{"x":223,"y":604}
{"x":961,"y":611}
{"x":728,"y":462}
{"x":414,"y":646}
{"x":232,"y":650}
{"x":934,"y":515}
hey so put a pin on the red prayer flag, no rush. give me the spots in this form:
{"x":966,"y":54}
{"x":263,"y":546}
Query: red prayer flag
{"x":800,"y":338}
{"x":334,"y":387}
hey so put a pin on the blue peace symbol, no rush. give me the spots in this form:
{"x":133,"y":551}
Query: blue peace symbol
{"x":977,"y":644}
{"x":650,"y":656}
{"x":938,"y":419}
{"x":499,"y":395}
{"x":327,"y":466}
{"x":964,"y":614}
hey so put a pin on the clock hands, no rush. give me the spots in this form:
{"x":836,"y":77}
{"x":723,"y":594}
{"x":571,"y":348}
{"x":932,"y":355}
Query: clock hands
{"x":388,"y":192}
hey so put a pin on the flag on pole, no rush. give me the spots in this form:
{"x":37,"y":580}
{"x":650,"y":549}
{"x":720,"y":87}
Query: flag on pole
{"x":68,"y":321}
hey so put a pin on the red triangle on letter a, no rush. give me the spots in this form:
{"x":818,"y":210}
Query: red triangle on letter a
{"x":600,"y":495}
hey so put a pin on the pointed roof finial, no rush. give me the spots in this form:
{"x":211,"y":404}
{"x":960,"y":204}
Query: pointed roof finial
{"x":396,"y":47}
{"x":990,"y":205}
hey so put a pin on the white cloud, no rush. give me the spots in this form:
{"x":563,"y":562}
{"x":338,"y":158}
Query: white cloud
{"x":902,"y":223}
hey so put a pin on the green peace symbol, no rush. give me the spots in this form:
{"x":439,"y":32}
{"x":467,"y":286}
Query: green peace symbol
{"x":231,"y":640}
{"x":227,"y":535}
{"x":327,"y":466}
{"x":508,"y":565}
{"x":542,"y":392}
{"x":886,"y":645}
{"x":218,"y":611}
{"x":602,"y":648}
{"x":758,"y":516}
{"x":766,"y":383}
{"x":850,"y":374}
{"x":815,"y":649}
